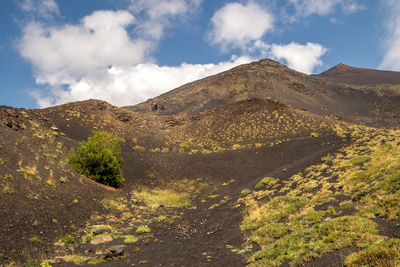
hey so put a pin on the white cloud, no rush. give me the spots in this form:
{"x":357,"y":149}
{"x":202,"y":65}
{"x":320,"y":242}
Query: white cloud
{"x":61,"y":55}
{"x":128,"y":85}
{"x":236,"y":25}
{"x":303,"y":58}
{"x":158,"y":14}
{"x":43,"y":8}
{"x":97,"y":58}
{"x":391,"y":60}
{"x":306,"y":8}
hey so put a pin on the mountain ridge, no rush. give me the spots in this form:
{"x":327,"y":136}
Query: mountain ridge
{"x":347,"y":74}
{"x":267,"y":79}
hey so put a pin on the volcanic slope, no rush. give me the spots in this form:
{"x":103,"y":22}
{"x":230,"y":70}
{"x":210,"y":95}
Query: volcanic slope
{"x":346,"y":74}
{"x":49,"y":212}
{"x":267,"y":79}
{"x":253,"y":181}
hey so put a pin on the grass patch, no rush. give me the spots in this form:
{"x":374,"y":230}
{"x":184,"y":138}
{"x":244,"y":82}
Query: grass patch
{"x":287,"y":243}
{"x":382,"y":254}
{"x":186,"y":145}
{"x":35,"y":240}
{"x":68,"y":239}
{"x":176,"y":194}
{"x":7,"y":189}
{"x":115,"y":204}
{"x":75,"y":259}
{"x":29,"y":172}
{"x":161,"y":218}
{"x":229,"y":182}
{"x":143,"y":229}
{"x":130,"y":238}
{"x":166,"y":197}
{"x":293,"y":224}
{"x":95,"y":261}
{"x":359,"y":159}
{"x":266,"y":181}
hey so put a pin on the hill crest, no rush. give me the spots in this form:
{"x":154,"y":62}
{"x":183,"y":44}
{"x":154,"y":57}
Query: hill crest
{"x":347,"y":74}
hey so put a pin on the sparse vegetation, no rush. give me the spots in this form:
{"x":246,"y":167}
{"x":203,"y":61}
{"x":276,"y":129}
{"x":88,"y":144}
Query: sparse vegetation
{"x":293,"y":229}
{"x":130,"y":238}
{"x":166,"y":197}
{"x":143,"y":229}
{"x":68,"y":239}
{"x":99,"y":159}
{"x":266,"y":181}
{"x":115,"y":204}
{"x":335,"y":206}
{"x":35,"y":240}
{"x":380,"y":254}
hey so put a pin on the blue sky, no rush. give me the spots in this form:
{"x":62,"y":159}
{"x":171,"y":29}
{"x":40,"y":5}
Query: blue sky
{"x":126,"y":51}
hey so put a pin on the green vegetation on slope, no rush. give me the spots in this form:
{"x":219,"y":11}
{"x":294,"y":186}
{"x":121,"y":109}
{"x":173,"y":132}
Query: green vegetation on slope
{"x":331,"y":206}
{"x":99,"y":159}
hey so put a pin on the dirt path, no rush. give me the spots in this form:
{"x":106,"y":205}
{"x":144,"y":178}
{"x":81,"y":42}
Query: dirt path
{"x":209,"y":234}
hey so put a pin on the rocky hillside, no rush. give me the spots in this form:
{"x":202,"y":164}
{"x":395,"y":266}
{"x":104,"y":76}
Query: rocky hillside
{"x":346,"y":74}
{"x":246,"y":181}
{"x":267,"y":79}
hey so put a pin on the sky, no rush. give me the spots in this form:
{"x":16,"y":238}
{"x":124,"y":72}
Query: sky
{"x":126,"y":51}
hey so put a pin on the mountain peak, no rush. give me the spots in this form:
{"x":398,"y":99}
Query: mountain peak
{"x":347,"y":74}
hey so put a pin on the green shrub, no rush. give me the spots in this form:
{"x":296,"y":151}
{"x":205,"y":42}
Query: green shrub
{"x":99,"y":158}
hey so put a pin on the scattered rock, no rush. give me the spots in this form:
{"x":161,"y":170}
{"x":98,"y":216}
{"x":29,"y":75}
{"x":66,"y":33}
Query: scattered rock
{"x":134,"y":199}
{"x":101,"y":239}
{"x":98,"y":231}
{"x":157,"y":107}
{"x":54,"y":128}
{"x":25,"y":114}
{"x":114,"y":252}
{"x":161,"y":209}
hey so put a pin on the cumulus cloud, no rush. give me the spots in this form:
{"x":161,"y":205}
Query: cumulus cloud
{"x":99,"y":57}
{"x":42,"y":8}
{"x":157,"y":14}
{"x":128,"y":85}
{"x":303,"y":58}
{"x":60,"y":55}
{"x":236,"y":25}
{"x":391,"y":60}
{"x":107,"y":54}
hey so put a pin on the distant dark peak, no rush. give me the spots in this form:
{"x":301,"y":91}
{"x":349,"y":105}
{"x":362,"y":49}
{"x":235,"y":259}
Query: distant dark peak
{"x":346,"y":74}
{"x":341,"y":65}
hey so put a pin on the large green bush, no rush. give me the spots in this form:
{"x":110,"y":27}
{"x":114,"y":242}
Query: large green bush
{"x":99,"y":158}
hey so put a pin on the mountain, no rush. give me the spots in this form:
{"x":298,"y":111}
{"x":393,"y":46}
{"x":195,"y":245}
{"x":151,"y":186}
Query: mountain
{"x":267,"y":79}
{"x":239,"y":177}
{"x":346,"y":74}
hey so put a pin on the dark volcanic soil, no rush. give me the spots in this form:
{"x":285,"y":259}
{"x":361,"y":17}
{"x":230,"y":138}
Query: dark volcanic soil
{"x":201,"y":236}
{"x":49,"y":199}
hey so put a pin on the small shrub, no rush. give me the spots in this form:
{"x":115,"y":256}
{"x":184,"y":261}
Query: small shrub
{"x":266,"y":181}
{"x":130,"y":238}
{"x":161,"y":218}
{"x":143,"y":229}
{"x":35,"y":240}
{"x":99,"y":159}
{"x":68,"y":239}
{"x":186,"y":145}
